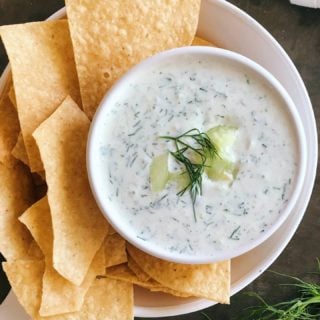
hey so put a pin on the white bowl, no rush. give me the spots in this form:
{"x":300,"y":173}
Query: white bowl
{"x":229,"y":27}
{"x":98,"y":169}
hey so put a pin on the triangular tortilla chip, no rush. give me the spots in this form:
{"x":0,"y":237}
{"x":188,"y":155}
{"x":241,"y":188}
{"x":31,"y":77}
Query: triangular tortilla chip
{"x":38,"y":220}
{"x":12,"y":96}
{"x":115,"y":250}
{"x":19,"y":150}
{"x":143,"y":276}
{"x":34,"y":252}
{"x":25,"y":277}
{"x":197,"y":41}
{"x":16,"y":195}
{"x":9,"y":129}
{"x":58,"y":294}
{"x":79,"y":227}
{"x":124,"y":273}
{"x":142,"y":28}
{"x":108,"y":299}
{"x":43,"y":71}
{"x":210,"y":281}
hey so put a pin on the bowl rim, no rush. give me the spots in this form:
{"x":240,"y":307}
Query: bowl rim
{"x":267,"y":78}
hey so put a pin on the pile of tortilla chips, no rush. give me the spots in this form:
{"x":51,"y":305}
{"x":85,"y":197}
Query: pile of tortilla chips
{"x":62,"y":259}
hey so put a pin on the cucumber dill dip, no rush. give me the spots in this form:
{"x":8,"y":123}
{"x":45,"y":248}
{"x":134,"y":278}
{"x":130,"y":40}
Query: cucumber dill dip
{"x":197,"y":155}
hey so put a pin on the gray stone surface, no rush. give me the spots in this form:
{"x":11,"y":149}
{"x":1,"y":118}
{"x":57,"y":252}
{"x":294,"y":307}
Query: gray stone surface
{"x":298,"y":31}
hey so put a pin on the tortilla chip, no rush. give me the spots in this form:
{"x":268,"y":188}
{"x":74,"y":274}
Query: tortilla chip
{"x":141,"y":29}
{"x":108,"y":299}
{"x":19,"y":150}
{"x":38,"y":221}
{"x":209,"y":281}
{"x":16,"y":195}
{"x":34,"y":252}
{"x":124,"y":273}
{"x":9,"y":130}
{"x":170,"y":291}
{"x":137,"y":270}
{"x":43,"y":69}
{"x":61,"y":296}
{"x":25,"y":277}
{"x":12,"y":97}
{"x":197,"y":41}
{"x":115,"y":250}
{"x":79,"y":228}
{"x":111,"y":231}
{"x":58,"y":294}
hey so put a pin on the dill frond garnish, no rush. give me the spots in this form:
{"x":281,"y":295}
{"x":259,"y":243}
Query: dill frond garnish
{"x":305,"y":306}
{"x":206,"y":316}
{"x":193,"y":148}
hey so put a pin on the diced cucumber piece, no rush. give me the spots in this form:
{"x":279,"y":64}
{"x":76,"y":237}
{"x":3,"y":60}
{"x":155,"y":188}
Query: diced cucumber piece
{"x":222,"y":137}
{"x":159,"y":173}
{"x":220,"y":169}
{"x":180,"y":178}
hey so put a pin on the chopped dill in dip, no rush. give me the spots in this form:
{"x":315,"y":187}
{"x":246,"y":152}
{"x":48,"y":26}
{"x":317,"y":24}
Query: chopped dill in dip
{"x":236,"y":205}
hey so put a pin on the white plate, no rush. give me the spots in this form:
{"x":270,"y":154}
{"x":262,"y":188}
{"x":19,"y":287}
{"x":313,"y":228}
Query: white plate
{"x":230,"y":28}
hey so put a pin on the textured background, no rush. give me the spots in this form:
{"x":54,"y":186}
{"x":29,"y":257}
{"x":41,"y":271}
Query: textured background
{"x":298,"y":30}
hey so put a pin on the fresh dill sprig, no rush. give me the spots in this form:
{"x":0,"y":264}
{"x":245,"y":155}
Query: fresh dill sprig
{"x":305,"y":307}
{"x":192,"y":145}
{"x":206,"y":316}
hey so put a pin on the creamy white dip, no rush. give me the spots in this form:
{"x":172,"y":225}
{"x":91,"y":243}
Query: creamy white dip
{"x":170,"y":99}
